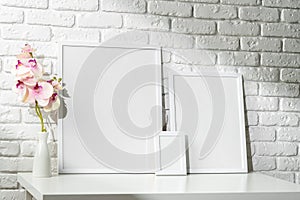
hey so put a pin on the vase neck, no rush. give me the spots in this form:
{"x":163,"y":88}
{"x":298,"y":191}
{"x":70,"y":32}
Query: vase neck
{"x":43,"y":136}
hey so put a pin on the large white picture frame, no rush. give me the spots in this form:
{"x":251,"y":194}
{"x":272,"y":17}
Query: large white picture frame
{"x":106,"y":83}
{"x":208,"y":107}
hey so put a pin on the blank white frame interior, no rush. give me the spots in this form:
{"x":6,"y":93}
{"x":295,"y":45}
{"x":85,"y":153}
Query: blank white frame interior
{"x":218,"y":101}
{"x":174,"y":164}
{"x":90,"y":66}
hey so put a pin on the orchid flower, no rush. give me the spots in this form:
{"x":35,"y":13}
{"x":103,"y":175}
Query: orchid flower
{"x":28,"y":69}
{"x":31,"y":86}
{"x":21,"y":89}
{"x":54,"y":103}
{"x":26,"y":52}
{"x":41,"y":93}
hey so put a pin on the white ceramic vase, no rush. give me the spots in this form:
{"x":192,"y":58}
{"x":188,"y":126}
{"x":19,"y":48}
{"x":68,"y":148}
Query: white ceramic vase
{"x":41,"y":161}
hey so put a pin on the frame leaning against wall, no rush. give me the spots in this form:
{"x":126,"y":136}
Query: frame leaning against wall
{"x":218,"y":143}
{"x":171,"y":159}
{"x":75,"y":156}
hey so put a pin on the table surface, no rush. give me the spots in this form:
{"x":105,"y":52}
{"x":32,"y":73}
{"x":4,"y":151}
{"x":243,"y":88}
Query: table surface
{"x":116,"y":184}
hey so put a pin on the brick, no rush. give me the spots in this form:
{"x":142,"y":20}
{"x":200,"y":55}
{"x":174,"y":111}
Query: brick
{"x":202,"y":1}
{"x":48,"y":17}
{"x":54,"y":165}
{"x":279,"y":89}
{"x":238,"y":58}
{"x":227,"y":69}
{"x":281,"y":30}
{"x":281,"y":4}
{"x":288,"y":164}
{"x":65,"y":34}
{"x":262,"y":133}
{"x":44,"y":49}
{"x":166,"y":56}
{"x":12,"y":194}
{"x":171,"y":40}
{"x":8,"y":164}
{"x":217,"y":42}
{"x":81,"y":5}
{"x":47,"y":64}
{"x":275,"y":149}
{"x":251,"y":118}
{"x":25,"y":3}
{"x":297,"y":178}
{"x":280,"y":60}
{"x":136,"y":6}
{"x":194,"y":57}
{"x":290,"y":134}
{"x":215,"y":11}
{"x":101,"y":20}
{"x":193,"y":26}
{"x":262,"y":103}
{"x":28,"y":148}
{"x":6,"y":81}
{"x":19,"y":132}
{"x":170,"y":8}
{"x":242,"y":3}
{"x":259,"y":74}
{"x":259,"y":14}
{"x":262,"y":163}
{"x":9,"y":15}
{"x":238,"y":28}
{"x":290,"y":104}
{"x":291,"y":45}
{"x":146,"y":22}
{"x":8,"y":148}
{"x":12,"y":48}
{"x":25,"y":32}
{"x":279,"y":119}
{"x":8,"y":63}
{"x":53,"y":149}
{"x":250,"y":88}
{"x":292,"y":16}
{"x":287,"y":176}
{"x":290,"y":75}
{"x":9,"y":115}
{"x":124,"y":37}
{"x":8,"y":181}
{"x":260,"y":44}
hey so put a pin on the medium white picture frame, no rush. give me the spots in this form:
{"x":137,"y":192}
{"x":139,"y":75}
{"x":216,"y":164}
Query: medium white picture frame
{"x":76,"y":154}
{"x":218,"y":98}
{"x":171,"y":162}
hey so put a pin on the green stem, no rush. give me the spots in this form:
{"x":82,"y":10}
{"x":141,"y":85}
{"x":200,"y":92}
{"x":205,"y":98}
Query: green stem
{"x":39,"y":114}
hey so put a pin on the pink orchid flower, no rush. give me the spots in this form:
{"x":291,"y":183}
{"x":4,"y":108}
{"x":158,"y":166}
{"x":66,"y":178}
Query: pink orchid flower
{"x":26,"y":52}
{"x":56,"y":85}
{"x":21,"y":89}
{"x":27,"y":48}
{"x":41,"y":93}
{"x":54,"y":103}
{"x":33,"y":88}
{"x":28,"y":68}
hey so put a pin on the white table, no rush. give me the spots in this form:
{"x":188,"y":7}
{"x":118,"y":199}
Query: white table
{"x":150,"y":187}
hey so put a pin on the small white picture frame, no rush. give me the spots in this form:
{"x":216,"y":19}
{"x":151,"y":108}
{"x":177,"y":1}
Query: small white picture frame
{"x":171,"y":159}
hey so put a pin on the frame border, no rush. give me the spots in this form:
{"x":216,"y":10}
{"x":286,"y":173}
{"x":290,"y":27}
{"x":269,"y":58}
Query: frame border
{"x":172,"y":115}
{"x":60,"y":71}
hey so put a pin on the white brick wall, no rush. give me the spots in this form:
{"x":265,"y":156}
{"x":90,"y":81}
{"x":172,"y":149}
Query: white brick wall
{"x":257,"y":38}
